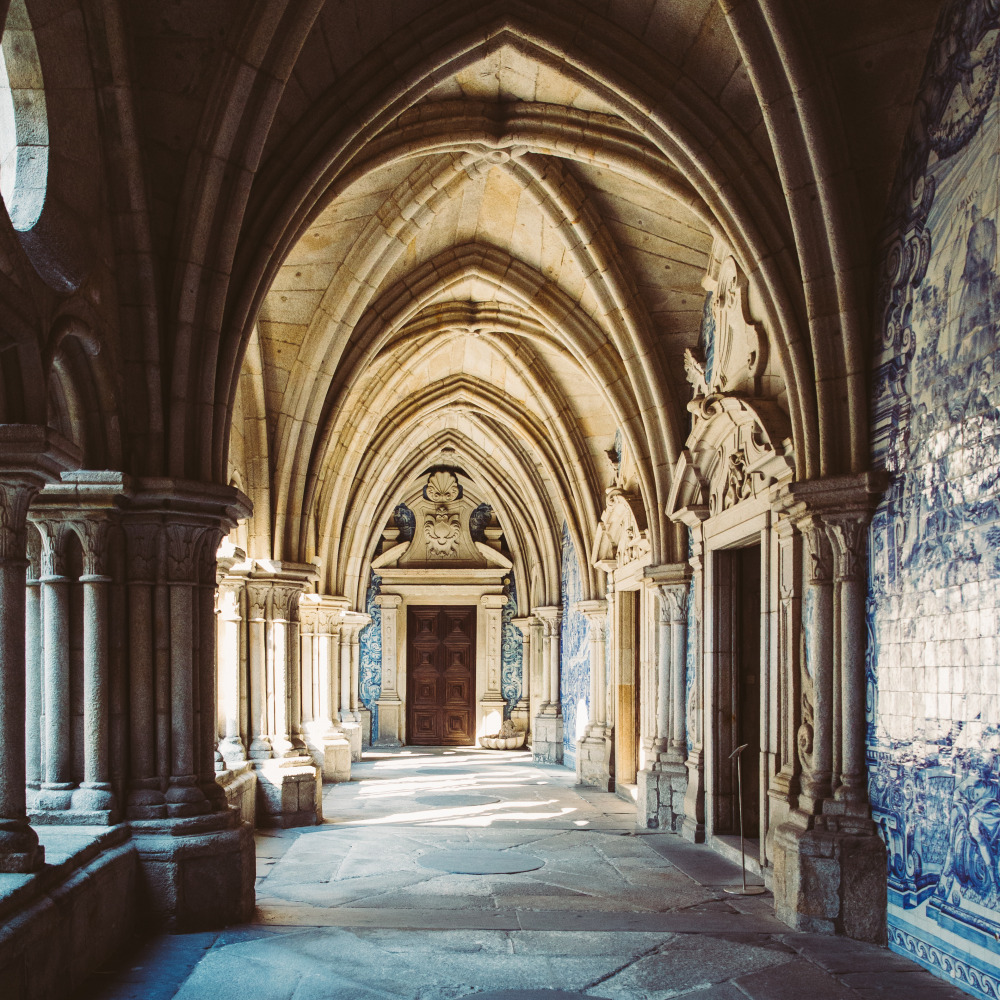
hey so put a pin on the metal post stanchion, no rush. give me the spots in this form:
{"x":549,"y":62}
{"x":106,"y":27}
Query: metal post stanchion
{"x":745,"y":890}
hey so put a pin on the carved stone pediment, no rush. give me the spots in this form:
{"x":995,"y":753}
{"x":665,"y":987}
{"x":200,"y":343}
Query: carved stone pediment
{"x":441,"y":535}
{"x":622,"y":537}
{"x":737,"y":450}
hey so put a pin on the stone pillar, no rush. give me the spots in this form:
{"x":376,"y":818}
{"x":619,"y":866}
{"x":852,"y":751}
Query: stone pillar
{"x":352,"y":623}
{"x":391,"y":723}
{"x":94,"y":796}
{"x":56,"y":793}
{"x":82,"y":505}
{"x":492,"y":704}
{"x":849,"y":536}
{"x":179,"y":815}
{"x":593,"y":750}
{"x":521,"y":713}
{"x":35,"y":712}
{"x":230,"y":679}
{"x":325,"y":738}
{"x":693,"y":824}
{"x":829,"y":863}
{"x":29,"y":456}
{"x":289,"y":782}
{"x":662,"y":783}
{"x":547,"y":744}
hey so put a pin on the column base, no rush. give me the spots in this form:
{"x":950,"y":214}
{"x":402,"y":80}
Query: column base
{"x":390,"y":723}
{"x":693,"y":824}
{"x":289,"y":793}
{"x":547,"y":742}
{"x":197,"y":874}
{"x":661,"y":790}
{"x":146,"y":801}
{"x":593,"y":758}
{"x":332,"y":754}
{"x":352,"y":732}
{"x":20,"y":852}
{"x":830,"y":881}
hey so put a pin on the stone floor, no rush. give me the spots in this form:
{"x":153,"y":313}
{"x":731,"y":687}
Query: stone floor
{"x":351,"y":909}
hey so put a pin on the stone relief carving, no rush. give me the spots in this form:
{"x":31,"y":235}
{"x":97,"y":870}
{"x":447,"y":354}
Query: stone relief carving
{"x":442,"y":532}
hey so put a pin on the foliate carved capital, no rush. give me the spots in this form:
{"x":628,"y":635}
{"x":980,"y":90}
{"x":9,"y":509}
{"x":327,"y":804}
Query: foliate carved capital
{"x":182,"y":552}
{"x":285,"y":602}
{"x":143,"y":546}
{"x":819,"y":553}
{"x":257,"y":601}
{"x":94,"y":533}
{"x":673,"y":603}
{"x":53,"y":535}
{"x":15,"y":497}
{"x":849,"y":536}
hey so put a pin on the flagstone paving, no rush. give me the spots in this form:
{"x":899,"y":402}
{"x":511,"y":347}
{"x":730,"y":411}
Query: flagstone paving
{"x":360,"y":907}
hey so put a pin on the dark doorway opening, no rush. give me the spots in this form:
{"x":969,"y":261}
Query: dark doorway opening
{"x":441,"y":676}
{"x":738,"y":693}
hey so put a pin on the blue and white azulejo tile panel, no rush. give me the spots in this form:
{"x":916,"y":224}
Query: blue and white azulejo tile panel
{"x":934,"y":554}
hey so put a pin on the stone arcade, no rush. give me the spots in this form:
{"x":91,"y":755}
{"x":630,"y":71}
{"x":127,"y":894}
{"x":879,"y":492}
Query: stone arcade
{"x":375,"y":373}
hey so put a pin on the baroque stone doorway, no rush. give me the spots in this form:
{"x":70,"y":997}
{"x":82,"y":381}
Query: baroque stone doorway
{"x":441,"y":680}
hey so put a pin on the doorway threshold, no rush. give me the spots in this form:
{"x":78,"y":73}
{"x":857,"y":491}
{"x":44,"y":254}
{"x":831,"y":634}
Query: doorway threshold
{"x":728,"y":845}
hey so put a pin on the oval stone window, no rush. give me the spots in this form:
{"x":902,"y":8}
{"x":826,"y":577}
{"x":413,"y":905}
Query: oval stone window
{"x":24,"y":127}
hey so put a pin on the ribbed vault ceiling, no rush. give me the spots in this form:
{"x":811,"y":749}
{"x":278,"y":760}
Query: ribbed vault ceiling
{"x":503,"y":280}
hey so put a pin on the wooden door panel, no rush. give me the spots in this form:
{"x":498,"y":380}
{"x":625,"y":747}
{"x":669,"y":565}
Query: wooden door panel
{"x":441,"y":686}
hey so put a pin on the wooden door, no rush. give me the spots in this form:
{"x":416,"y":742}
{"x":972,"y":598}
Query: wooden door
{"x":441,"y":676}
{"x":627,"y":707}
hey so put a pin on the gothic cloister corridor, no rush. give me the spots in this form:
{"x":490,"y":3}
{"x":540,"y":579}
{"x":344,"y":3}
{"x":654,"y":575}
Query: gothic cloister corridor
{"x":349,"y":909}
{"x":561,"y":431}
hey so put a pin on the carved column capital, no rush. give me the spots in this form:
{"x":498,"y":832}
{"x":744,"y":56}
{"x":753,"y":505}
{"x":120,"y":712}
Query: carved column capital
{"x":596,"y":613}
{"x":849,"y":535}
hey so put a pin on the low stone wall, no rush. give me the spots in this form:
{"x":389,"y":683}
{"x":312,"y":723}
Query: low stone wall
{"x":59,"y":926}
{"x":240,"y":786}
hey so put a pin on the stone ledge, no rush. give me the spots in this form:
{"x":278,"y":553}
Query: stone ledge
{"x":50,"y":941}
{"x":67,"y":850}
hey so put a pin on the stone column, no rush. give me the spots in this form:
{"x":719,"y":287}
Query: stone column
{"x":693,"y":824}
{"x":230,"y":629}
{"x":95,"y":795}
{"x":326,"y":740}
{"x":547,"y":745}
{"x":492,"y":704}
{"x":289,"y":782}
{"x":390,"y":708}
{"x":56,"y":793}
{"x":30,"y":456}
{"x":144,"y":545}
{"x":662,"y":782}
{"x":593,"y":751}
{"x":521,"y":713}
{"x":35,"y":712}
{"x":257,"y":595}
{"x":849,"y":536}
{"x":829,"y":863}
{"x":816,"y":729}
{"x":352,"y":623}
{"x":179,"y":816}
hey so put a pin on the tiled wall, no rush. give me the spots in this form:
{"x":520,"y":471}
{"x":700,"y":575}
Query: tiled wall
{"x":574,"y":683}
{"x":370,"y":654}
{"x":934,"y":564}
{"x":511,"y":648}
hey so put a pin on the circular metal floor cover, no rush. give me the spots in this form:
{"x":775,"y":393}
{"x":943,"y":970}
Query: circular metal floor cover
{"x":452,"y":800}
{"x":534,"y":995}
{"x":481,"y":863}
